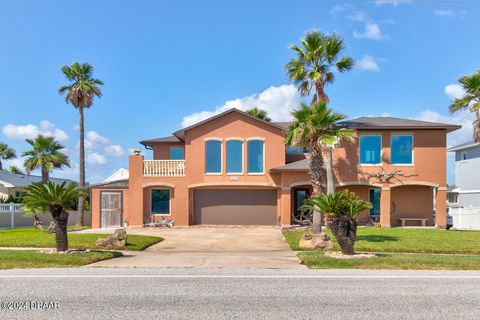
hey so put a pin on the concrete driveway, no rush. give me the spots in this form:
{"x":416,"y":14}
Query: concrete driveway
{"x":216,"y":247}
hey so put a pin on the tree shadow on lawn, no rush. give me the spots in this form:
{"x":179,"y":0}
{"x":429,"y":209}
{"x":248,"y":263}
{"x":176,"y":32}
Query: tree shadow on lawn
{"x":376,"y":238}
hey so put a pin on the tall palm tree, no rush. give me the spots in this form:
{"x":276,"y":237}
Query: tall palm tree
{"x":6,"y":153}
{"x":45,"y":155}
{"x":52,"y":197}
{"x":259,"y":113}
{"x":470,"y":101}
{"x":80,"y":92}
{"x":312,"y":68}
{"x":318,"y":54}
{"x":315,"y":127}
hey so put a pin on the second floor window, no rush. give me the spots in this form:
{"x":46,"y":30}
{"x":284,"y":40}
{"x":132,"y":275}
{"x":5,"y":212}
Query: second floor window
{"x":177,"y":153}
{"x":401,"y":148}
{"x":370,"y":149}
{"x":213,"y":156}
{"x":255,"y":156}
{"x":235,"y":156}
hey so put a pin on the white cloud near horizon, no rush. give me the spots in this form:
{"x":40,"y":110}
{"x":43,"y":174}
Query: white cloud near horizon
{"x":114,"y":150}
{"x":449,"y":13}
{"x":30,"y":131}
{"x":368,"y":63}
{"x":372,"y":32}
{"x":393,"y":2}
{"x":277,"y":101}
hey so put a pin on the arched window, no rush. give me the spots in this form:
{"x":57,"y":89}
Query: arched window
{"x":255,"y":150}
{"x":213,"y":156}
{"x":235,"y":156}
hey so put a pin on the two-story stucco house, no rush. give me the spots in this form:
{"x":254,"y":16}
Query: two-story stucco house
{"x":234,"y":169}
{"x":467,"y":174}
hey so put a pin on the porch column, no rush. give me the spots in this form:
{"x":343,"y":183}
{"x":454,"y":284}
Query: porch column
{"x":441,"y":208}
{"x":134,"y":212}
{"x":286,"y":206}
{"x":385,"y":207}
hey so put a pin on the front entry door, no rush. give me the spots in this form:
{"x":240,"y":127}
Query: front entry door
{"x":299,"y":196}
{"x":111,"y":209}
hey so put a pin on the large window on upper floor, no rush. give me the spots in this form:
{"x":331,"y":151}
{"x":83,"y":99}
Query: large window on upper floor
{"x":370,"y":149}
{"x":213,"y":157}
{"x":177,"y":153}
{"x":401,"y":149}
{"x":255,"y":151}
{"x":235,"y":156}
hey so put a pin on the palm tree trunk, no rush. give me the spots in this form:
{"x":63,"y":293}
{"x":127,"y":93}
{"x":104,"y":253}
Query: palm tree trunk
{"x":81,"y":199}
{"x":45,"y":176}
{"x":37,"y":223}
{"x":320,"y":90}
{"x":329,"y":170}
{"x":345,"y":231}
{"x":61,"y":237}
{"x":316,"y":169}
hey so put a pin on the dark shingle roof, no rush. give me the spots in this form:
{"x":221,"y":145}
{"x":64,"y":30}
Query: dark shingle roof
{"x":301,"y":165}
{"x":119,"y":184}
{"x":395,"y":123}
{"x":160,"y":140}
{"x":464,"y":146}
{"x":22,"y":180}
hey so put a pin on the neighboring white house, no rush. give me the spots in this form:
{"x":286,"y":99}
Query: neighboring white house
{"x":120,"y":174}
{"x":14,"y":184}
{"x":466,"y":192}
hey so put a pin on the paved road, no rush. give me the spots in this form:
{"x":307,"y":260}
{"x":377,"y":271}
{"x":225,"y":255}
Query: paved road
{"x":203,"y":247}
{"x":131,"y":293}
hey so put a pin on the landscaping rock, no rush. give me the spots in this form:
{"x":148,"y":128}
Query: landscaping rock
{"x":320,"y":241}
{"x":117,"y":239}
{"x":340,"y":255}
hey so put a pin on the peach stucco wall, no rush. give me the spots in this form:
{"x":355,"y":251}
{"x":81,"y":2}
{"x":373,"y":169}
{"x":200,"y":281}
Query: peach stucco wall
{"x":427,"y":172}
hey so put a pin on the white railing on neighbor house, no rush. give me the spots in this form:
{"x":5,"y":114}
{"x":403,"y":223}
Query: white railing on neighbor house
{"x":465,"y":218}
{"x":164,"y":168}
{"x":8,"y":213}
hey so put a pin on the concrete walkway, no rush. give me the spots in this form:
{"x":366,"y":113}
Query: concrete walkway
{"x":203,"y":247}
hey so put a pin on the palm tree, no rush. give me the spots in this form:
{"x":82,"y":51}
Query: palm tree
{"x":342,"y":209}
{"x":45,"y":155}
{"x":15,"y":169}
{"x":470,"y":101}
{"x":6,"y":153}
{"x":80,"y":93}
{"x":315,"y":59}
{"x":259,"y":113}
{"x":315,"y":127}
{"x":53,"y":197}
{"x":312,"y":68}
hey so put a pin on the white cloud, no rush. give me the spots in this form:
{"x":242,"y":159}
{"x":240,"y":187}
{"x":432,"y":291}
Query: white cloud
{"x":114,"y":150}
{"x":450,"y":13}
{"x":368,"y":63}
{"x":277,"y":101}
{"x":372,"y":31}
{"x":30,"y":131}
{"x":454,"y":91}
{"x":393,"y":2}
{"x":463,"y":118}
{"x":95,"y":138}
{"x":96,"y":159}
{"x":359,"y":16}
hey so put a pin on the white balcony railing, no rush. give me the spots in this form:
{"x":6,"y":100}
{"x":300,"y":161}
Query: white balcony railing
{"x":164,"y":168}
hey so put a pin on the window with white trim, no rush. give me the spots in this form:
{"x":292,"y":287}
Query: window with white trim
{"x":255,"y":156}
{"x":370,"y":149}
{"x":235,"y":156}
{"x":401,"y":149}
{"x":213,"y":156}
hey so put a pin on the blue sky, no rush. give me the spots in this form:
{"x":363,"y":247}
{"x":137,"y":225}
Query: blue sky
{"x":169,"y":63}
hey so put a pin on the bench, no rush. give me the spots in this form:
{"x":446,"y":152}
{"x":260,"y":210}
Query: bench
{"x":422,"y":220}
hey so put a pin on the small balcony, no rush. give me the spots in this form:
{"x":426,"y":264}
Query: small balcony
{"x":164,"y":168}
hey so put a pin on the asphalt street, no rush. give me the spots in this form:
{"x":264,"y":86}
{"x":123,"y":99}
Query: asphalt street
{"x":99,"y":293}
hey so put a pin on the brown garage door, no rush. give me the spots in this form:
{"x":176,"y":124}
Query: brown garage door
{"x":236,"y":207}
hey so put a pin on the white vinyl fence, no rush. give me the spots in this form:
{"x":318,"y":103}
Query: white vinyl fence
{"x":11,"y":216}
{"x":465,"y":218}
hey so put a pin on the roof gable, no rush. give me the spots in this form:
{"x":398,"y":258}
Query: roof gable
{"x":180,"y":134}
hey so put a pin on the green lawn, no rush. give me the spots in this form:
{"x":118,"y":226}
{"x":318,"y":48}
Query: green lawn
{"x":33,"y":259}
{"x":407,"y":240}
{"x":31,"y":237}
{"x":316,"y":260}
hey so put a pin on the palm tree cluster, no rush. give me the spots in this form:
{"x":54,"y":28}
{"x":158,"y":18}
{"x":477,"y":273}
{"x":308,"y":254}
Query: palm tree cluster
{"x":315,"y":126}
